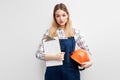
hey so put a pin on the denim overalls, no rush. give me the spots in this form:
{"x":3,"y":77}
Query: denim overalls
{"x":69,"y":70}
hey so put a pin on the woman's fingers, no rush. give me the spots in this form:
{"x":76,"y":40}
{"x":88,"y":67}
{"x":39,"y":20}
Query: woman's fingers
{"x":86,"y":64}
{"x":60,"y":56}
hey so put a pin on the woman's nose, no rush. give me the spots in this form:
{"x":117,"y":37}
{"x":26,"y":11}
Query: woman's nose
{"x":61,"y":18}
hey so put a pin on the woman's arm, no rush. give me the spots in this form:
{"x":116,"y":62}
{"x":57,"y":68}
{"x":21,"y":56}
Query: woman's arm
{"x":58,"y":56}
{"x":46,"y":56}
{"x":80,"y":41}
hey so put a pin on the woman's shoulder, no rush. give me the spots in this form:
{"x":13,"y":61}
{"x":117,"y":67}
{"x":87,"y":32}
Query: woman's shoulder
{"x":46,"y":32}
{"x":46,"y":36}
{"x":78,"y":33}
{"x":76,"y":30}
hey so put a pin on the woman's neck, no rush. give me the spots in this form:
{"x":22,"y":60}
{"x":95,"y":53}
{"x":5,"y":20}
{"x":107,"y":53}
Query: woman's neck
{"x":61,"y":27}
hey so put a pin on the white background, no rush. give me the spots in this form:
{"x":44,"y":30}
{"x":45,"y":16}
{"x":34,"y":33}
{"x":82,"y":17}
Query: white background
{"x":23,"y":22}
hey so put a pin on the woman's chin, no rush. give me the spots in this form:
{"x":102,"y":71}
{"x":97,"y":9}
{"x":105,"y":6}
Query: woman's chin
{"x":62,"y":24}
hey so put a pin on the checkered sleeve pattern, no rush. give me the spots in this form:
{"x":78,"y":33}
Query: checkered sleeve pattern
{"x":80,"y":41}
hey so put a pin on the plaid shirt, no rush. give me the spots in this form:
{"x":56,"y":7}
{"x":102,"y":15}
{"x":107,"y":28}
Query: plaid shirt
{"x":80,"y":42}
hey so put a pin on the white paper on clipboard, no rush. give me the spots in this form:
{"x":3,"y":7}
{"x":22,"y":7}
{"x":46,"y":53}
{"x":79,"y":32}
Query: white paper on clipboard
{"x":52,"y":47}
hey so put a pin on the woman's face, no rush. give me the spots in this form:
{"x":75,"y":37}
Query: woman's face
{"x":61,"y":17}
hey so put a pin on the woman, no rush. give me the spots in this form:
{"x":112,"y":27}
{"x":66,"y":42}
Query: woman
{"x":68,"y":37}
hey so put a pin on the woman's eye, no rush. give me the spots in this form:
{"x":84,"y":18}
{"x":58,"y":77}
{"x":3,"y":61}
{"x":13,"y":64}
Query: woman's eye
{"x":57,"y":16}
{"x":64,"y":15}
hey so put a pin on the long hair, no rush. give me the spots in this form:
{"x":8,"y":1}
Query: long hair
{"x":68,"y":27}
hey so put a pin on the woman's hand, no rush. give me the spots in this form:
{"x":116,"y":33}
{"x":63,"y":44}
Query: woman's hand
{"x":60,"y":56}
{"x":86,"y":64}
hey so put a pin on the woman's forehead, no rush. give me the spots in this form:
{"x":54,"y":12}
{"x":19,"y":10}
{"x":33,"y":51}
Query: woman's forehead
{"x":59,"y":11}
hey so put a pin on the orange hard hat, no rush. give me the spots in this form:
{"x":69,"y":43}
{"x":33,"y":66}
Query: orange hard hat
{"x":80,"y":56}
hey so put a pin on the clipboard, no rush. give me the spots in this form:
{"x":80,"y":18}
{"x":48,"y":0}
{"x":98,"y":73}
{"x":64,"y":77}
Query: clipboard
{"x":52,"y":47}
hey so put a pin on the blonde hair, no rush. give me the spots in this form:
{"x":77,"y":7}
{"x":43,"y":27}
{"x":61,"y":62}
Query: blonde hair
{"x":69,"y":32}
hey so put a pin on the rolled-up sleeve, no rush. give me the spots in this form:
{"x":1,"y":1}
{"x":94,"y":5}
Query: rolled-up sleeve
{"x":80,"y":41}
{"x":40,"y":51}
